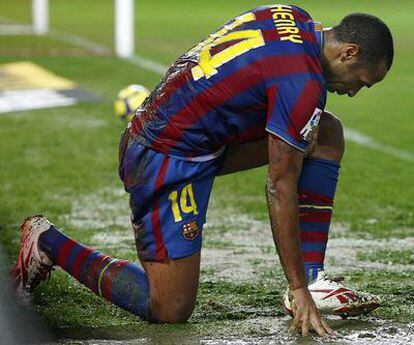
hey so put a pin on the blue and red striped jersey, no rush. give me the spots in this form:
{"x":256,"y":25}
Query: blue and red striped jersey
{"x":260,"y":72}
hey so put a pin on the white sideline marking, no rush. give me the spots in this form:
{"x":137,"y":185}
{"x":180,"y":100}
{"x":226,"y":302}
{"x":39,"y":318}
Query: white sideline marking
{"x":148,"y":64}
{"x":155,"y":67}
{"x":13,"y":29}
{"x":81,"y":42}
{"x":363,"y":140}
{"x":97,"y":48}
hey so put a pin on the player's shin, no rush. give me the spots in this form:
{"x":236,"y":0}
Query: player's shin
{"x":316,"y":191}
{"x":120,"y":282}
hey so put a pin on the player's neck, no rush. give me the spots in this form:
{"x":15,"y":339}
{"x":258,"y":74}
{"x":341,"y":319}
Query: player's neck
{"x":329,"y":48}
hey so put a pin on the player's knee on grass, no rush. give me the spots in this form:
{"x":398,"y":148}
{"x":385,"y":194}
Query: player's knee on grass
{"x":176,"y":311}
{"x":173,"y":288}
{"x":330,"y":144}
{"x":174,"y":305}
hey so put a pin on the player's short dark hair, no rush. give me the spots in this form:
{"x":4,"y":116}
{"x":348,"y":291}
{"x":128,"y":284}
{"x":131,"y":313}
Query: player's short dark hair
{"x":372,"y":36}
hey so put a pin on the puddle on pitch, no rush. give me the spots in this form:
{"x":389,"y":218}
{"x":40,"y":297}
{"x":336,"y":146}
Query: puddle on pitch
{"x":273,"y":331}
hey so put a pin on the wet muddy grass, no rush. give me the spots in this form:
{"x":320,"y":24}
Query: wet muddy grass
{"x":241,"y":285}
{"x":271,"y":332}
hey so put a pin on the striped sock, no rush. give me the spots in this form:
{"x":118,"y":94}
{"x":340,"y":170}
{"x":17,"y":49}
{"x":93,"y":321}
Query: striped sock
{"x":120,"y":282}
{"x":316,"y":190}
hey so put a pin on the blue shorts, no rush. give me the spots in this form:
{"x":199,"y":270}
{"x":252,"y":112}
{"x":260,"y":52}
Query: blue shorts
{"x":168,"y":199}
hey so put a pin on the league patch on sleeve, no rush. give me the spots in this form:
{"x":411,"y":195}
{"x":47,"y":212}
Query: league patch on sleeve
{"x":313,"y":122}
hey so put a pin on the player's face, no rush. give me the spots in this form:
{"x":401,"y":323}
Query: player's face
{"x":346,"y":76}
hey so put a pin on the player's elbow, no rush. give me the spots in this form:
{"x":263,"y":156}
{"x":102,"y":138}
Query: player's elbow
{"x":270,"y":188}
{"x":280,"y":187}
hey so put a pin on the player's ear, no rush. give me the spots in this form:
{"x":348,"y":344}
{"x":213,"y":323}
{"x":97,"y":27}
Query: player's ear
{"x":350,"y":52}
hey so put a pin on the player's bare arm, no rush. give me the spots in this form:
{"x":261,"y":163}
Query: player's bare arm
{"x":285,"y":164}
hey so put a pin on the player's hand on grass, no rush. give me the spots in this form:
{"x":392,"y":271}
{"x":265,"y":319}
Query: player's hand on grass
{"x":306,"y":315}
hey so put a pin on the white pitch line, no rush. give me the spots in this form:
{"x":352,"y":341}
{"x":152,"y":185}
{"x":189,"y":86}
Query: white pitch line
{"x":81,"y":42}
{"x":363,"y":140}
{"x":160,"y":69}
{"x":97,"y":48}
{"x":15,"y":30}
{"x":148,"y":64}
{"x":100,"y":49}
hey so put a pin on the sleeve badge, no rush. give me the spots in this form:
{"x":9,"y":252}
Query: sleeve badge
{"x":313,"y":122}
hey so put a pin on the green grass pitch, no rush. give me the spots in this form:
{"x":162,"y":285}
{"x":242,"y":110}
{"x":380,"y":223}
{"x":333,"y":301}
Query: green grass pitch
{"x":62,"y":162}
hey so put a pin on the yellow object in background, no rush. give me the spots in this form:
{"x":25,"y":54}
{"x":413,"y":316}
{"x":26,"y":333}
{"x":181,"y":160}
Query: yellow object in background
{"x":25,"y":85}
{"x":24,"y":75}
{"x":128,"y":100}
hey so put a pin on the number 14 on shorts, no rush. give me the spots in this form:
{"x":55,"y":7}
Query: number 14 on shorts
{"x":187,"y":203}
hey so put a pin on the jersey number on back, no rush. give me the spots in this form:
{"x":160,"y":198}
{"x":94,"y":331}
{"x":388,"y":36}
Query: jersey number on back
{"x":244,"y":41}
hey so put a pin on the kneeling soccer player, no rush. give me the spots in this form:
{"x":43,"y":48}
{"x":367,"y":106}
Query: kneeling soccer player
{"x":250,"y":94}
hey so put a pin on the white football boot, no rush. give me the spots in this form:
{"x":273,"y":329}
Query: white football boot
{"x":32,"y":264}
{"x":332,"y":298}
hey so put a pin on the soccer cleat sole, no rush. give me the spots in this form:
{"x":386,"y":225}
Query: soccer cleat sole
{"x":26,"y":274}
{"x":365,"y":309}
{"x":346,"y":312}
